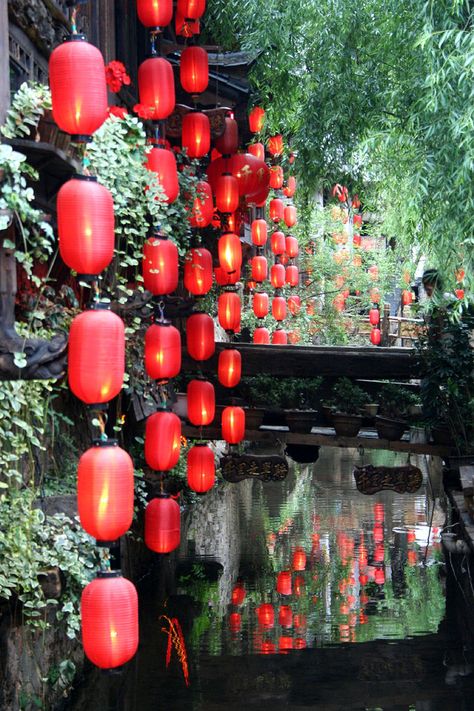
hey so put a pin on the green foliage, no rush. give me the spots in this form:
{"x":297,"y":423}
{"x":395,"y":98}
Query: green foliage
{"x":395,"y":400}
{"x":27,"y":107}
{"x":347,"y":397}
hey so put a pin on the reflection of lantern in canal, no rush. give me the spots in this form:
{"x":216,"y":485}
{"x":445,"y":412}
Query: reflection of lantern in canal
{"x":299,"y":585}
{"x":266,"y":615}
{"x":299,"y":621}
{"x":299,"y":643}
{"x":267,"y":647}
{"x":285,"y":644}
{"x":379,"y":554}
{"x":285,"y":616}
{"x":283,"y":584}
{"x":378,"y":533}
{"x":238,"y":594}
{"x":379,"y":513}
{"x":363,"y":579}
{"x":344,"y":633}
{"x":299,"y":559}
{"x":379,"y":576}
{"x":235,"y":622}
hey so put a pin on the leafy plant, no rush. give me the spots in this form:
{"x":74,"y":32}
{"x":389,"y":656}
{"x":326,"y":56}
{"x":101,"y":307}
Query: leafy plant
{"x":347,"y":397}
{"x":28,"y":105}
{"x":395,"y":401}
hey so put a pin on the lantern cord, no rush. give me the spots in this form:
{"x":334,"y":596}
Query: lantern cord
{"x":104,"y":560}
{"x":74,"y":21}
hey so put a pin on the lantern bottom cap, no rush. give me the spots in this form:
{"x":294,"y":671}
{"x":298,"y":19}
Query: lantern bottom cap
{"x":107,"y":544}
{"x":80,"y":138}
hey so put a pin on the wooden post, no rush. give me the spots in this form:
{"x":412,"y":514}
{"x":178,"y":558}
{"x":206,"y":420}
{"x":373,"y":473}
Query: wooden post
{"x":4,"y":61}
{"x":385,"y":341}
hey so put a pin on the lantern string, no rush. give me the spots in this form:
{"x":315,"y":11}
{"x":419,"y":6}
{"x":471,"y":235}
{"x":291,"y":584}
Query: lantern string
{"x":74,"y":21}
{"x":104,"y":560}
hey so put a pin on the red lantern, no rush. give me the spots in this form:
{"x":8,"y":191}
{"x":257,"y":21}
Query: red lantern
{"x":109,"y":614}
{"x":235,"y":621}
{"x":259,"y":268}
{"x":289,"y":215}
{"x":275,"y":145}
{"x":259,"y":232}
{"x":266,"y":615}
{"x":162,"y":524}
{"x":227,"y":193}
{"x":78,"y":88}
{"x":279,"y":337}
{"x":233,"y":424}
{"x":105,"y":491}
{"x":298,"y":561}
{"x":292,"y":275}
{"x":160,"y":265}
{"x":201,"y":468}
{"x":285,"y":644}
{"x":162,"y":351}
{"x":223,"y":278}
{"x":229,"y":310}
{"x":357,"y":219}
{"x":230,"y":252}
{"x":238,"y":594}
{"x":229,"y":368}
{"x":191,"y":9}
{"x":260,"y":304}
{"x":163,"y":162}
{"x":276,"y":209}
{"x":290,"y":188}
{"x":277,"y":276}
{"x":257,"y":150}
{"x":278,"y":243}
{"x":374,"y":316}
{"x":196,"y":134}
{"x":162,"y":440}
{"x":285,"y":616}
{"x":203,"y":206}
{"x":156,"y":86}
{"x":201,"y":402}
{"x":407,"y":297}
{"x":200,"y":336}
{"x":261,"y":336}
{"x":252,"y":175}
{"x":194,"y":70}
{"x":256,"y":119}
{"x":229,"y":141}
{"x":155,"y":13}
{"x":375,"y":295}
{"x":291,"y":246}
{"x":186,"y":28}
{"x":278,"y":308}
{"x":276,"y":177}
{"x":283,"y":583}
{"x":375,"y":336}
{"x":294,"y":304}
{"x":96,"y":355}
{"x":198,"y":271}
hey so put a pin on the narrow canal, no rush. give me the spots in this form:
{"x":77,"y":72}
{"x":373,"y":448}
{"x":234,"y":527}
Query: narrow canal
{"x":301,"y":594}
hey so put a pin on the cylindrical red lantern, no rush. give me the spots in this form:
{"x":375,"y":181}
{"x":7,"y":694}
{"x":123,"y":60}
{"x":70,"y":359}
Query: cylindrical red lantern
{"x":259,"y":268}
{"x":291,"y":246}
{"x":156,"y":86}
{"x":261,"y":336}
{"x":277,"y":276}
{"x":266,"y":615}
{"x":155,"y":13}
{"x":278,"y":308}
{"x":196,"y":134}
{"x":163,"y":162}
{"x":227,"y":193}
{"x":374,"y":317}
{"x":96,"y":355}
{"x":105,"y":491}
{"x":233,"y":424}
{"x":198,"y":271}
{"x":78,"y":87}
{"x":256,"y":119}
{"x":277,"y":209}
{"x":278,"y":243}
{"x":160,"y":265}
{"x":259,"y":232}
{"x":229,"y":367}
{"x":191,"y":9}
{"x":285,"y":616}
{"x":229,"y":310}
{"x":260,"y":304}
{"x":292,"y":275}
{"x":289,"y":215}
{"x":230,"y":252}
{"x":279,"y":337}
{"x":203,"y":206}
{"x":257,"y":150}
{"x":294,"y":304}
{"x":285,"y":643}
{"x":229,"y":141}
{"x":298,"y":560}
{"x":109,"y":615}
{"x":200,"y":336}
{"x":290,"y":188}
{"x":276,"y":177}
{"x":162,"y":524}
{"x":162,"y":440}
{"x":275,"y":145}
{"x":375,"y":336}
{"x":194,"y":70}
{"x":201,"y":402}
{"x":283,"y":584}
{"x":162,"y":351}
{"x":201,"y":471}
{"x":223,"y":278}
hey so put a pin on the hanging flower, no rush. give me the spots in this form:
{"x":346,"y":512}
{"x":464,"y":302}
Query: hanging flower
{"x":341,"y":192}
{"x":144,"y":112}
{"x":116,"y":76}
{"x":118,"y":111}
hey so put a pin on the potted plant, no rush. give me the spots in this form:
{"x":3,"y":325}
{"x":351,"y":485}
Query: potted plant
{"x":395,"y":403}
{"x":299,"y":401}
{"x":347,"y":403}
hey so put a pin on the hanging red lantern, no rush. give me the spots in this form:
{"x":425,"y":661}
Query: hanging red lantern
{"x":283,"y":583}
{"x":160,"y":265}
{"x":357,"y":220}
{"x":162,"y":351}
{"x":298,"y":560}
{"x":230,"y":252}
{"x":260,"y":304}
{"x":252,"y":174}
{"x":276,"y":177}
{"x":259,"y":232}
{"x":156,"y":87}
{"x":229,"y":367}
{"x":85,"y":225}
{"x":294,"y":304}
{"x":278,"y":308}
{"x":162,"y":440}
{"x":292,"y":275}
{"x":238,"y":594}
{"x":235,"y":621}
{"x":155,"y":13}
{"x":198,"y":271}
{"x":285,"y":616}
{"x":289,"y":215}
{"x":96,"y":355}
{"x":162,"y":524}
{"x":265,"y":615}
{"x":277,"y":209}
{"x":374,"y":316}
{"x":105,"y":491}
{"x":78,"y":87}
{"x":277,"y":276}
{"x":200,"y":336}
{"x":227,"y":193}
{"x":191,"y":9}
{"x":375,"y":336}
{"x":279,"y":337}
{"x":201,"y":402}
{"x":284,"y":259}
{"x":257,"y":150}
{"x":186,"y":28}
{"x":291,"y":246}
{"x":290,"y":188}
{"x":196,"y":134}
{"x":223,"y":278}
{"x":278,"y":243}
{"x":194,"y":70}
{"x":275,"y":145}
{"x":259,"y":268}
{"x":407,"y":297}
{"x":261,"y":336}
{"x":233,"y":424}
{"x":201,"y":470}
{"x":109,"y":616}
{"x":228,"y":311}
{"x":256,"y":119}
{"x":229,"y":141}
{"x":163,"y":162}
{"x":203,"y":206}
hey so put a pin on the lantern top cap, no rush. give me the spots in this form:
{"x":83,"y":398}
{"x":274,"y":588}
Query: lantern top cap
{"x":105,"y":442}
{"x":162,"y":495}
{"x":75,"y":38}
{"x":200,"y":444}
{"x":109,"y":574}
{"x":80,"y":176}
{"x":100,"y":306}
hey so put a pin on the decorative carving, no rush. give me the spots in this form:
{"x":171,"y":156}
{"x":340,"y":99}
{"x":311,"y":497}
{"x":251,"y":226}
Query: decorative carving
{"x":237,"y":467}
{"x":404,"y":480}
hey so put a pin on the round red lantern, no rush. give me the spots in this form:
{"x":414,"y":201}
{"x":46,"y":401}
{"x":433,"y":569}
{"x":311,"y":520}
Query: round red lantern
{"x":227,"y":193}
{"x":261,"y":336}
{"x":283,"y":583}
{"x":229,"y":141}
{"x":162,"y":524}
{"x":201,"y":402}
{"x":194,"y":70}
{"x":162,"y":440}
{"x":291,"y":246}
{"x":200,"y":336}
{"x":266,"y":615}
{"x":196,"y":134}
{"x":375,"y":336}
{"x":191,"y":9}
{"x":198,"y":271}
{"x":277,"y":209}
{"x":162,"y":351}
{"x":238,"y":594}
{"x":105,"y":491}
{"x":233,"y":424}
{"x":203,"y":206}
{"x":78,"y":88}
{"x":289,"y":215}
{"x":109,"y":615}
{"x":96,"y":355}
{"x":292,"y":275}
{"x":163,"y":162}
{"x":285,"y":616}
{"x":298,"y":560}
{"x":374,"y":316}
{"x":259,"y":232}
{"x":260,"y":304}
{"x":276,"y":177}
{"x":230,"y":252}
{"x":277,"y":276}
{"x":278,"y":308}
{"x":160,"y":265}
{"x":278,"y":243}
{"x":156,"y":86}
{"x":257,"y":150}
{"x":201,"y":472}
{"x":229,"y":367}
{"x":259,"y":268}
{"x":155,"y":13}
{"x":229,"y":310}
{"x":223,"y":278}
{"x":256,"y":119}
{"x":275,"y":145}
{"x":290,"y":188}
{"x":294,"y":304}
{"x":279,"y":337}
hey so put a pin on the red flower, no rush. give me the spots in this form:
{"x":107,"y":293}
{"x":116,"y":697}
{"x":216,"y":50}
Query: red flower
{"x":116,"y":75}
{"x":118,"y":111}
{"x":341,"y":192}
{"x":145,"y":112}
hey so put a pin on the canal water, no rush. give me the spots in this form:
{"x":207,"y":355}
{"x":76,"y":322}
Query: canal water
{"x":301,"y":594}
